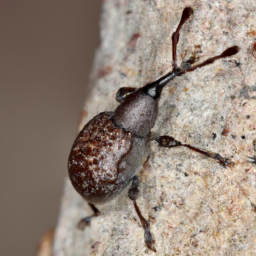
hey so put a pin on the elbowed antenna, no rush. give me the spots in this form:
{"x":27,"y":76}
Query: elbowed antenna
{"x":227,"y":53}
{"x":154,"y":89}
{"x":187,"y":12}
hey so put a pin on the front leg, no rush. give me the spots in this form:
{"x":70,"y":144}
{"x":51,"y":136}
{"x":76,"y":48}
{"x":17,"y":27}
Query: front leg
{"x":123,"y":92}
{"x":133,"y":194}
{"x":170,"y":142}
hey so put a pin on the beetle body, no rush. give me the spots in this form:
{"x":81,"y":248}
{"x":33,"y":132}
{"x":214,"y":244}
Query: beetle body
{"x":112,"y":148}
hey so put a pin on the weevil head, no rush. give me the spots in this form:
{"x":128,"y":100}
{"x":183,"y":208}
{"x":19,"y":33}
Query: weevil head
{"x":137,"y":114}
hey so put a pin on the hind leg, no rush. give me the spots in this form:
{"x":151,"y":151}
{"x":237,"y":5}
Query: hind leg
{"x":133,"y":194}
{"x":86,"y":221}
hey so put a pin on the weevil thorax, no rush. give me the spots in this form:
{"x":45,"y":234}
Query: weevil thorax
{"x":137,"y":114}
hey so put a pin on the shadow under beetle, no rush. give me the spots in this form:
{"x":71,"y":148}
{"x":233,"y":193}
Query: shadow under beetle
{"x":112,"y":147}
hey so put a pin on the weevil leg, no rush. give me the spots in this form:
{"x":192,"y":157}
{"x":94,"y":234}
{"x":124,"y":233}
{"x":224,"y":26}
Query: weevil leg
{"x":187,"y":12}
{"x":86,"y":221}
{"x":123,"y":92}
{"x":133,"y":194}
{"x":170,"y":142}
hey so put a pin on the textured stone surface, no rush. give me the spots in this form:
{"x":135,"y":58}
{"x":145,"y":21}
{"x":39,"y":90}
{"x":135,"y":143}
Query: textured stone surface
{"x":195,"y":206}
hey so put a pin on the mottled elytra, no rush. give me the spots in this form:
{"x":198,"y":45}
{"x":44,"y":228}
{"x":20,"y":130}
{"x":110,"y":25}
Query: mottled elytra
{"x":112,"y":147}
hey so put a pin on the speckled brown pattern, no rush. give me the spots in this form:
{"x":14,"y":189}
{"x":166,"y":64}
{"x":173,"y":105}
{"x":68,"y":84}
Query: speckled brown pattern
{"x":95,"y":158}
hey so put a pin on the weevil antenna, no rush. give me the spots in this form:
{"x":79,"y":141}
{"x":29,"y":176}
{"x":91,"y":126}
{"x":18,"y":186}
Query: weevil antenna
{"x":187,"y":12}
{"x":154,"y":89}
{"x":227,"y":53}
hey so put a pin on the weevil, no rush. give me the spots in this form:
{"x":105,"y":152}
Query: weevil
{"x":112,"y":148}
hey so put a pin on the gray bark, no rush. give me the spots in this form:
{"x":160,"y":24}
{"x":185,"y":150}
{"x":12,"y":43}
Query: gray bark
{"x":195,"y":206}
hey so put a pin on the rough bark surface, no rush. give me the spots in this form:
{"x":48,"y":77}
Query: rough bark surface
{"x":195,"y":206}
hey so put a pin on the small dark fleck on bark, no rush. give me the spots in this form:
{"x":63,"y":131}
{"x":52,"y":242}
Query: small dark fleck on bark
{"x":157,"y":208}
{"x":225,"y":132}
